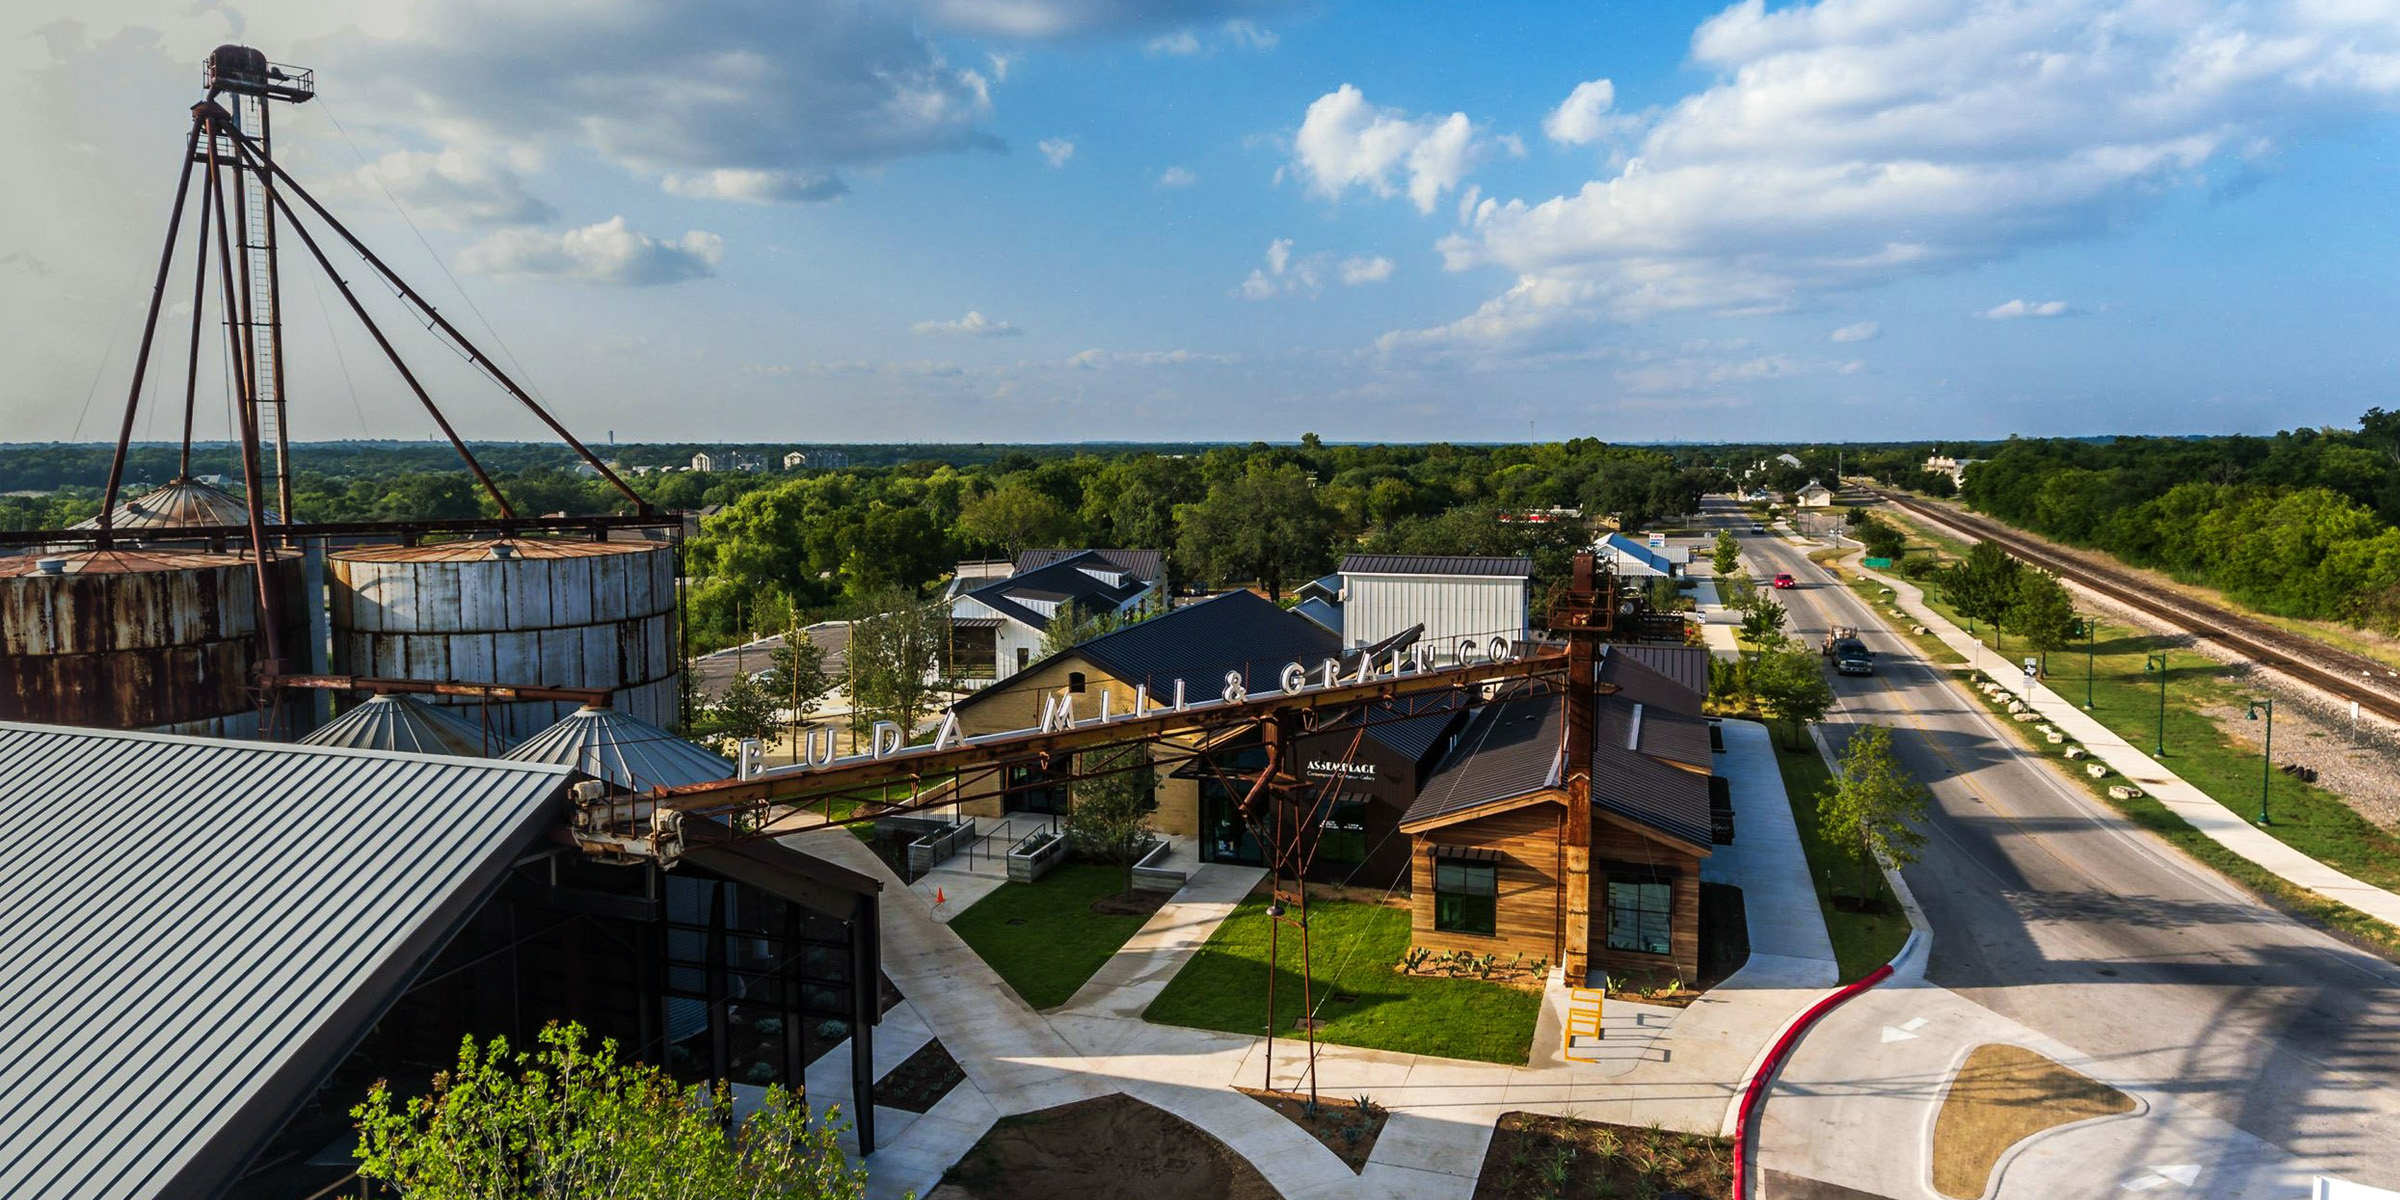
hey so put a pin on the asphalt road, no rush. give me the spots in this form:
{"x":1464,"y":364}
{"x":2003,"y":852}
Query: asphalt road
{"x":2047,"y":910}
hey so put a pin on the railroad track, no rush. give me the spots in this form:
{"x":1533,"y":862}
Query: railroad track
{"x":2374,"y":686}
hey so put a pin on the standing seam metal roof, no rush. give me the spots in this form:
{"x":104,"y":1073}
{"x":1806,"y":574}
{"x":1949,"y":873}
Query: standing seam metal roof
{"x":168,"y":992}
{"x":1063,"y":582}
{"x":1437,"y":564}
{"x":1511,"y":748}
{"x":1625,"y":663}
{"x":626,"y":751}
{"x":405,"y":724}
{"x":1149,"y":566}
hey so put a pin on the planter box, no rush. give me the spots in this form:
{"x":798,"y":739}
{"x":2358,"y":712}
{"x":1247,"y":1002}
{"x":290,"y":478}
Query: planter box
{"x":1152,"y":874}
{"x":1030,"y":858}
{"x":937,"y":845}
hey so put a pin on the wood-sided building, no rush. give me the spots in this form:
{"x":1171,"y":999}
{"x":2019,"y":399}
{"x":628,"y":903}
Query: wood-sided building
{"x":1489,"y":863}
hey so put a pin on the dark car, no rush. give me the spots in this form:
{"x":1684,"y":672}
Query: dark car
{"x":1851,"y":657}
{"x":1784,"y":581}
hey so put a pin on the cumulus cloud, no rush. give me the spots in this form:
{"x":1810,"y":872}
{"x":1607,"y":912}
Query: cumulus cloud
{"x":1057,"y":150}
{"x":1346,"y":142}
{"x":606,"y":253}
{"x":1848,"y":143}
{"x":1864,"y":331}
{"x":757,"y":187}
{"x":1358,"y":269}
{"x":1236,"y":34}
{"x":1584,"y":116}
{"x":714,"y":97}
{"x":974,"y":324}
{"x":454,"y":188}
{"x":2018,"y":310}
{"x":1177,"y":177}
{"x":1097,"y":360}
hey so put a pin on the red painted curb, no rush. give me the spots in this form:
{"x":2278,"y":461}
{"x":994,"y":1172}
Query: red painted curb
{"x":1754,"y":1093}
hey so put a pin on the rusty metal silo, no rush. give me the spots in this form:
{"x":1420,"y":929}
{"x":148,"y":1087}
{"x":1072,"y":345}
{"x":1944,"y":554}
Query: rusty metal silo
{"x":524,"y":611}
{"x":159,"y":640}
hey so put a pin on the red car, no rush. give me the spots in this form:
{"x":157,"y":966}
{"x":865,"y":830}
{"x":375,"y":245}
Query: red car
{"x":1784,"y":581}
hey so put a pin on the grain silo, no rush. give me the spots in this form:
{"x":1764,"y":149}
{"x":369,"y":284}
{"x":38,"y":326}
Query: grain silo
{"x":632,"y":754}
{"x":158,"y":640}
{"x":180,"y":504}
{"x":524,"y":611}
{"x":408,"y":725}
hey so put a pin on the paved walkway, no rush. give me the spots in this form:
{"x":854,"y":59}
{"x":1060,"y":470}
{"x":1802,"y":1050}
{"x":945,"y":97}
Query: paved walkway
{"x":1676,"y":1068}
{"x":2228,"y":828}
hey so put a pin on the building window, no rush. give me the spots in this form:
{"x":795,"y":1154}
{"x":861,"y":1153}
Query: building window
{"x":1024,"y":658}
{"x":1466,"y":896}
{"x":1342,"y":830}
{"x":1641,"y":916}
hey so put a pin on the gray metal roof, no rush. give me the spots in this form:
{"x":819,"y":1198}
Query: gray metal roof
{"x":405,"y":724}
{"x":1625,"y":664}
{"x":1061,"y":583}
{"x":179,"y":503}
{"x":207,"y":926}
{"x":1323,"y":612}
{"x":626,"y":751}
{"x":1149,"y":566}
{"x":1657,"y":794}
{"x":1628,"y":726}
{"x":1437,"y":564}
{"x":1510,"y":748}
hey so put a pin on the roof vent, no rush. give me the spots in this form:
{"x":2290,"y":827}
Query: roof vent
{"x":50,"y":566}
{"x":503,"y":551}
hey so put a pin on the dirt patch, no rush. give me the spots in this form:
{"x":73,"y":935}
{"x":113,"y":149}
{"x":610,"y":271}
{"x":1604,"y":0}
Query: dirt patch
{"x":1520,"y":970}
{"x":920,"y":1081}
{"x":1137,"y":903}
{"x":1535,"y":1157}
{"x":2001,"y":1096}
{"x":1101,"y":1149}
{"x":1346,"y":1127}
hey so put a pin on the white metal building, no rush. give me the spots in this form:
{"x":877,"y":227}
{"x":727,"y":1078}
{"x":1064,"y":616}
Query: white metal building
{"x":1452,"y":596}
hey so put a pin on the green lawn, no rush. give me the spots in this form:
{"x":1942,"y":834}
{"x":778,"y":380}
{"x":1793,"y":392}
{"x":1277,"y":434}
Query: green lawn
{"x":1861,"y":941}
{"x":1354,"y":947}
{"x":1061,"y":942}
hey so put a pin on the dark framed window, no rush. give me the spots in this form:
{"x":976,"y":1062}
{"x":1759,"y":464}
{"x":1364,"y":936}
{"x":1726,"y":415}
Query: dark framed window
{"x":1342,"y":830}
{"x":1641,"y":916}
{"x":1466,"y":896}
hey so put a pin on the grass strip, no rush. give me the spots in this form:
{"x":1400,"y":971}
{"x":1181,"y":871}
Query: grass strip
{"x":1056,"y":941}
{"x":1862,"y":941}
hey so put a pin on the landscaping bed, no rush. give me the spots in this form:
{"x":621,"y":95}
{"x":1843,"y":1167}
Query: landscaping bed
{"x":921,"y":1080}
{"x":1536,"y":1157}
{"x":1346,"y":1127}
{"x":1045,"y":939}
{"x":2002,"y":1095}
{"x":1867,"y":930}
{"x":1362,"y":1000}
{"x":1101,"y":1149}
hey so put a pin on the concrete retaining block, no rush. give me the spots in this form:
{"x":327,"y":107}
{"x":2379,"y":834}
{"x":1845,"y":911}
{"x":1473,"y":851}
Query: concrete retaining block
{"x":2075,"y":752}
{"x":2121,"y":792}
{"x":2096,"y":771}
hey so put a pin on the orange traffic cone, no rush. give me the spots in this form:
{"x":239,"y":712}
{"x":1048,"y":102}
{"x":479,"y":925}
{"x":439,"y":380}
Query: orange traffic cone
{"x":938,"y":899}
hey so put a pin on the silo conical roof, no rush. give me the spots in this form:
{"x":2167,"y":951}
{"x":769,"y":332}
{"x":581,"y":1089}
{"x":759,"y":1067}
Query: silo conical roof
{"x":626,"y":751}
{"x":402,"y":723}
{"x":180,"y":504}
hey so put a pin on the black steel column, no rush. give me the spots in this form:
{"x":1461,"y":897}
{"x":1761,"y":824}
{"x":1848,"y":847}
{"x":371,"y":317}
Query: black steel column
{"x":866,"y":1008}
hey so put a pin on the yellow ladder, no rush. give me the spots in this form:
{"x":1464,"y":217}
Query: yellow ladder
{"x":1583,"y":1020}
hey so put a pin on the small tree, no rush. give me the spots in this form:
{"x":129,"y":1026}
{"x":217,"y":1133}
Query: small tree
{"x":1727,"y":557}
{"x":571,"y":1120}
{"x":1737,"y":592}
{"x":746,"y":710}
{"x":896,"y":659}
{"x":1763,"y":621}
{"x":1068,"y":629}
{"x":1110,"y":817}
{"x":1663,"y":595}
{"x":2044,"y":614}
{"x":1873,"y":806}
{"x":1791,"y":684}
{"x":800,"y":680}
{"x":1984,"y":586}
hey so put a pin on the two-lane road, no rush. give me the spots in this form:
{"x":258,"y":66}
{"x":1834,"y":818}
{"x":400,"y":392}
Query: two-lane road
{"x":2049,"y":911}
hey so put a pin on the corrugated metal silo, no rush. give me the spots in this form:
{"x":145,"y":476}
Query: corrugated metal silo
{"x":164,"y":641}
{"x":180,"y":504}
{"x":532,"y":612}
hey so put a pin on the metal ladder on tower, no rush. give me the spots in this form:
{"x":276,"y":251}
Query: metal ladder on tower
{"x":265,"y":322}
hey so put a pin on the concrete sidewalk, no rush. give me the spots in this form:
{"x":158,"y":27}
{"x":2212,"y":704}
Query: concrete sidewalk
{"x":2226,"y":827}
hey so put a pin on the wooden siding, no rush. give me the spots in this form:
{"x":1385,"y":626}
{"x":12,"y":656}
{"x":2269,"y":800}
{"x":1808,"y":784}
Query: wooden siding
{"x":1615,"y":845}
{"x":1527,"y":915}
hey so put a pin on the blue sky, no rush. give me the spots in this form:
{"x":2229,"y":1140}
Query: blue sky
{"x":1085,"y":219}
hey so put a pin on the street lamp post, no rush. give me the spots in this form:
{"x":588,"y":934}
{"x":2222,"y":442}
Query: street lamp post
{"x":2091,"y":628}
{"x":2266,"y":765}
{"x":2156,"y":664}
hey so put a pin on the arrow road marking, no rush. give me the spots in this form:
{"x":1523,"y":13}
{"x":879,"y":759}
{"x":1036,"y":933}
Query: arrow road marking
{"x":2181,"y":1174}
{"x":1903,"y":1032}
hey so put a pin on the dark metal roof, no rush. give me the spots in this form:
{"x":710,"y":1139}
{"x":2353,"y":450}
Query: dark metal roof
{"x":1509,"y":749}
{"x":1659,"y":795}
{"x":1199,"y":643}
{"x":1628,"y":726}
{"x":164,"y":1009}
{"x":1327,"y":586}
{"x":1412,"y":737}
{"x":1062,"y":582}
{"x":1323,"y":612}
{"x":1686,"y":666}
{"x":1149,"y":566}
{"x":1436,"y":564}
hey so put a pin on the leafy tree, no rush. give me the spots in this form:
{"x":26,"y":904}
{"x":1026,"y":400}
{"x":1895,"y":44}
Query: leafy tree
{"x":1110,"y":817}
{"x":2043,"y":613}
{"x":746,"y":710}
{"x":800,"y":679}
{"x":1874,"y":805}
{"x":1068,"y":629}
{"x":1727,"y":556}
{"x":1267,"y":524}
{"x":1791,"y":684}
{"x":1663,"y":595}
{"x":895,"y":660}
{"x":1016,"y":517}
{"x":1737,"y":592}
{"x":570,"y":1120}
{"x":1984,"y":587}
{"x":1763,"y":621}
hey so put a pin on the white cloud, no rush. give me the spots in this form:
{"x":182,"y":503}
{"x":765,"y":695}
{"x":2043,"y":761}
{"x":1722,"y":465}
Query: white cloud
{"x":1064,"y":19}
{"x":1095,"y":360}
{"x":1864,"y":331}
{"x":1346,"y":142}
{"x":1583,"y":118}
{"x":2017,"y":310}
{"x":1250,"y":36}
{"x":1279,"y":254}
{"x":606,"y":253}
{"x":974,"y":324}
{"x":1848,"y":143}
{"x":757,"y":187}
{"x":1359,"y":269}
{"x":452,"y":187}
{"x":1057,"y":150}
{"x":1532,"y":315}
{"x":1177,"y":177}
{"x":1181,"y":43}
{"x":1236,"y":34}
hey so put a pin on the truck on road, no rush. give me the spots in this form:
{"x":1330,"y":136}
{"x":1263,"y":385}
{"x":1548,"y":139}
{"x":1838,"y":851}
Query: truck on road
{"x":1848,"y":654}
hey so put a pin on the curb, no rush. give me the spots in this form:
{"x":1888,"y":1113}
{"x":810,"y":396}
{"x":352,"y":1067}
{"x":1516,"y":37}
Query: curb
{"x":1754,"y":1091}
